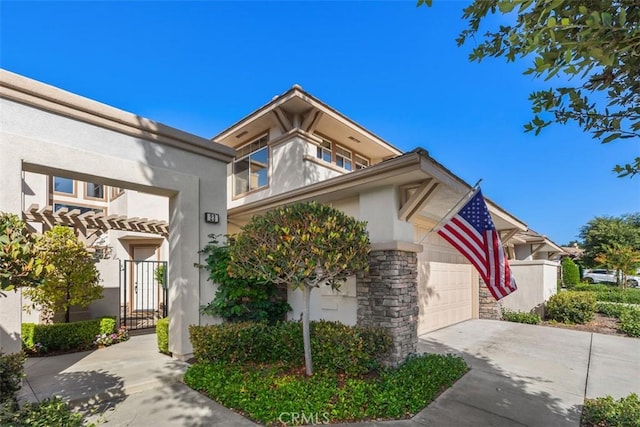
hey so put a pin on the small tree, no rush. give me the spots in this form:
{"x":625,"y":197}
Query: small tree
{"x":304,"y":246}
{"x":74,"y":279}
{"x":19,"y":265}
{"x":570,"y":272}
{"x":624,"y":259}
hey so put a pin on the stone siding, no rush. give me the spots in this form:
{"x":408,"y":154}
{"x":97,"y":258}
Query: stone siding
{"x":488,"y":307}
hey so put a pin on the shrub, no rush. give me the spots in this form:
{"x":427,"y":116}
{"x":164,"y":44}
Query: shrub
{"x":11,"y":373}
{"x":265,"y":393}
{"x":65,"y":336}
{"x":238,"y":299}
{"x":162,"y":334}
{"x":336,"y":347}
{"x":108,"y":339}
{"x":520,"y":317}
{"x":605,"y":411}
{"x":49,"y":412}
{"x":611,"y":293}
{"x":610,"y":309}
{"x":571,"y":307}
{"x":570,"y":272}
{"x":630,"y":322}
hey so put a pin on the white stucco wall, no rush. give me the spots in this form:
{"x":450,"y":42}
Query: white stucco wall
{"x":35,"y":140}
{"x":536,"y":281}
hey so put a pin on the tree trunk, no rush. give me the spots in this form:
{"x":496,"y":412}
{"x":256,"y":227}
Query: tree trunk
{"x":306,"y":336}
{"x":67,"y":313}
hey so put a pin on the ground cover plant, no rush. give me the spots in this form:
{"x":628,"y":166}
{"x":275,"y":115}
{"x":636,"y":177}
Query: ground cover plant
{"x":608,"y":412}
{"x":520,"y":317}
{"x":258,"y":369}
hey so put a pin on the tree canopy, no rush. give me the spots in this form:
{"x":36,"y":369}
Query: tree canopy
{"x":303,"y":246}
{"x":593,"y":45}
{"x":603,"y":233}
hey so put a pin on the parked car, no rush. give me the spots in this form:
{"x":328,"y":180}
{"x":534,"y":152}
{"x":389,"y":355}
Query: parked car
{"x":608,"y":276}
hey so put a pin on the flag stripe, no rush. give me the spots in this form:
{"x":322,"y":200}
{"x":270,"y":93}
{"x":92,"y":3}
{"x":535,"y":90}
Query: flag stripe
{"x":469,"y":256}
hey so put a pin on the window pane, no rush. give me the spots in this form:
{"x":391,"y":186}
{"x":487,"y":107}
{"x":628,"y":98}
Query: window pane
{"x":82,"y":209}
{"x":241,"y":176}
{"x":62,"y":185}
{"x":259,"y":163}
{"x":95,"y":190}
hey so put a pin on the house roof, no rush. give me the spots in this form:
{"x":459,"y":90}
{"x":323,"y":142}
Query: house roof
{"x":540,"y":242}
{"x":410,"y":169}
{"x":297,"y":108}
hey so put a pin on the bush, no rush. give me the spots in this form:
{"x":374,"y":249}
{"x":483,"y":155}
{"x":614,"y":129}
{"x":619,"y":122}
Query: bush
{"x":611,"y":293}
{"x":49,"y":412}
{"x":162,"y":334}
{"x":520,"y":317}
{"x":570,"y":272}
{"x":630,"y":322}
{"x":610,"y":309}
{"x":11,"y":373}
{"x":571,"y":307}
{"x":266,"y":393}
{"x":238,"y":299}
{"x":605,"y":411}
{"x":335,"y":346}
{"x":65,"y":336}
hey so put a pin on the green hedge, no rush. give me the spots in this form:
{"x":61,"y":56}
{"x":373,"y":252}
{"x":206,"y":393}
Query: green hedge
{"x":605,"y":412}
{"x":162,"y":334}
{"x":630,"y":322}
{"x":608,"y":293}
{"x":570,"y":272}
{"x":520,"y":317}
{"x":11,"y":373}
{"x":65,"y":336}
{"x":334,"y":346}
{"x":571,"y":307}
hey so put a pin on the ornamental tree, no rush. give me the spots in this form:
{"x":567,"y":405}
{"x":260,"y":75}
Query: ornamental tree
{"x":19,"y":264}
{"x":603,"y":232}
{"x":623,"y":259}
{"x":302,"y":246}
{"x":593,"y":46}
{"x":74,"y":279}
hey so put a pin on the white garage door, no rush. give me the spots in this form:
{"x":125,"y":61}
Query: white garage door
{"x":444,"y":294}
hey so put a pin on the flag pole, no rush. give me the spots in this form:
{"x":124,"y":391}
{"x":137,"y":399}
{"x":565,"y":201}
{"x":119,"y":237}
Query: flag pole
{"x":464,"y":198}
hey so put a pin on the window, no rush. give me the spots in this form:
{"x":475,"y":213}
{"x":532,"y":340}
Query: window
{"x":324,"y":150}
{"x":94,"y":191}
{"x":343,"y":158}
{"x":63,"y":185}
{"x":250,"y":169}
{"x":116,"y":192}
{"x":83,"y":209}
{"x":361,"y":162}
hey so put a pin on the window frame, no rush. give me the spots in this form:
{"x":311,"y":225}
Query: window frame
{"x":74,"y":184}
{"x":343,"y":157}
{"x":266,"y":147}
{"x":89,"y":197}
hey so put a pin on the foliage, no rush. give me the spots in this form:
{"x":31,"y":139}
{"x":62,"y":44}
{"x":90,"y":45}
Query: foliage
{"x":591,"y":46}
{"x":611,"y":294}
{"x":19,"y":264}
{"x":630,"y":322}
{"x":162,"y":334}
{"x":107,"y":339}
{"x":74,"y":280}
{"x":607,"y":412}
{"x":49,"y":412}
{"x":11,"y":373}
{"x":610,"y":309}
{"x":624,"y":259}
{"x":73,"y":336}
{"x":265,"y":393}
{"x":520,"y":317}
{"x":570,"y":272}
{"x":571,"y":307}
{"x":302,"y":246}
{"x":238,"y":299}
{"x":160,"y":274}
{"x":337,"y":347}
{"x":605,"y":231}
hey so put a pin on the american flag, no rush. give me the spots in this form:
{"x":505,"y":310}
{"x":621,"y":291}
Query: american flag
{"x":472,"y":233}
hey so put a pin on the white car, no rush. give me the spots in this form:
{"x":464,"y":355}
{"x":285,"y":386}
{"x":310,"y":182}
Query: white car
{"x":608,"y":276}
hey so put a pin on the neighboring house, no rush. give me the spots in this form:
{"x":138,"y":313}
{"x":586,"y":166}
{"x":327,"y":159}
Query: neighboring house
{"x":297,"y":148}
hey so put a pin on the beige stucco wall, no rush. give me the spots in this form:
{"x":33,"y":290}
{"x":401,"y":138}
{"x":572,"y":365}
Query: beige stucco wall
{"x":536,"y":281}
{"x":35,"y":140}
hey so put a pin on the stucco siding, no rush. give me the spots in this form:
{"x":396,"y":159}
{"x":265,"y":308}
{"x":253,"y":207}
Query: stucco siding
{"x":537,"y":282}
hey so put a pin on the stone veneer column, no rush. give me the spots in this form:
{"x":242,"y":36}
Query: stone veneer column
{"x":488,"y":307}
{"x":388,"y":298}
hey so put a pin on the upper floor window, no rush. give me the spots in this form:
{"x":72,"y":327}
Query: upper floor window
{"x":82,"y":209}
{"x":361,"y":162}
{"x":94,"y":191}
{"x":250,"y":169}
{"x":324,"y":151}
{"x":343,"y":158}
{"x":116,"y":192}
{"x":63,"y":185}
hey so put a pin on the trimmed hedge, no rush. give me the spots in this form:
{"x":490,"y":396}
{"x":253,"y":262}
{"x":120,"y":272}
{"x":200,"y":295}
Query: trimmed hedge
{"x":608,"y":293}
{"x":570,"y":272}
{"x":571,"y":307}
{"x":162,"y":334}
{"x":65,"y":336}
{"x":334,"y":346}
{"x":520,"y":317}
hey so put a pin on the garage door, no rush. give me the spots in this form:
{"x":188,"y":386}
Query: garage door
{"x":444,"y":294}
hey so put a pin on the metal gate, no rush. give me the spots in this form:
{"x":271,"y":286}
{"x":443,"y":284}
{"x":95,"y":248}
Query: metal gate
{"x":143,"y":293}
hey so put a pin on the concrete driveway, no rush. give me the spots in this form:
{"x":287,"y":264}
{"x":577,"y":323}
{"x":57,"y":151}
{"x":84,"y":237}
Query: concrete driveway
{"x":520,"y":375}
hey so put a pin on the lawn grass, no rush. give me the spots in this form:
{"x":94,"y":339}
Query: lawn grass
{"x":274,"y":394}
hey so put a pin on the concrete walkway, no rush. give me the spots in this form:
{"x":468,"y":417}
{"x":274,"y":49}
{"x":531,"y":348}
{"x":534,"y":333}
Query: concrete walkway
{"x":520,"y":375}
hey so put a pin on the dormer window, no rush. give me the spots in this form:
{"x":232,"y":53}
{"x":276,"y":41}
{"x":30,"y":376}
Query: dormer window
{"x":250,"y":169}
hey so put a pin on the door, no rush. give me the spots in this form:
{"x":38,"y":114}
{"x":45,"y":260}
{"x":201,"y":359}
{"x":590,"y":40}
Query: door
{"x":144,"y":287}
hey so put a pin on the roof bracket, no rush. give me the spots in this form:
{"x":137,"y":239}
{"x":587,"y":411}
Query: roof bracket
{"x":418,"y":199}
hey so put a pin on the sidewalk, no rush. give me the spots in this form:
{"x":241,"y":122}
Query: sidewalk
{"x":520,"y":375}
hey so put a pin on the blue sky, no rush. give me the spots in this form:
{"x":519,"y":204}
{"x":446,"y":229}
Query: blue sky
{"x":393,"y":68}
